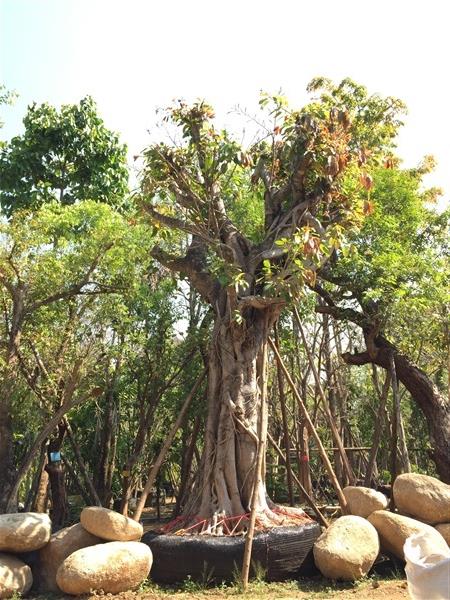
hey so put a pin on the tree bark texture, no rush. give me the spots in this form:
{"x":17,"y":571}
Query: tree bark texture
{"x":57,"y":480}
{"x":234,"y":411}
{"x":232,"y":424}
{"x":7,"y":467}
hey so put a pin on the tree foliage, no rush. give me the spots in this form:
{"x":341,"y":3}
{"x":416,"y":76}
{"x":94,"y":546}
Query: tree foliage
{"x":67,"y":155}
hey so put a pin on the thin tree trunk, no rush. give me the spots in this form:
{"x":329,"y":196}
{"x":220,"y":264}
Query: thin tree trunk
{"x":332,"y":399}
{"x":313,"y":431}
{"x":146,"y":416}
{"x":57,"y":479}
{"x":286,"y":441}
{"x":51,"y":424}
{"x":398,"y":423}
{"x":40,"y":499}
{"x":8,"y":491}
{"x":329,"y":417}
{"x":165,"y":448}
{"x":81,"y":465}
{"x":304,"y":466}
{"x":76,"y":480}
{"x":382,"y":398}
{"x":187,"y":463}
{"x":32,"y":492}
{"x":434,"y":405}
{"x":303,"y":491}
{"x":105,"y":447}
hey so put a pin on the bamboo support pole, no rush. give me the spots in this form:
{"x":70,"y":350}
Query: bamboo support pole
{"x":165,"y":448}
{"x":382,"y":397}
{"x":286,"y":441}
{"x":336,"y":435}
{"x":308,"y":498}
{"x":313,"y":431}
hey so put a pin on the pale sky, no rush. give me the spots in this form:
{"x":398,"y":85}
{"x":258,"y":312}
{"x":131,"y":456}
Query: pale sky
{"x":135,"y":56}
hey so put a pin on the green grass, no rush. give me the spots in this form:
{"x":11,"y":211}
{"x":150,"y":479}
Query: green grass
{"x":315,"y":588}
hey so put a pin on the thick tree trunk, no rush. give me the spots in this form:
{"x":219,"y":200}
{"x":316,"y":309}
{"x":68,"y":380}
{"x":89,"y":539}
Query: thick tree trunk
{"x":231,"y":436}
{"x":40,"y":503}
{"x":233,"y":413}
{"x":434,"y":406}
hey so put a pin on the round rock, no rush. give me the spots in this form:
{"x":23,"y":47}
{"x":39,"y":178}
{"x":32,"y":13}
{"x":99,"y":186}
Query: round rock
{"x":110,"y":525}
{"x":112,"y":567}
{"x":61,"y":545}
{"x":362,"y":501}
{"x":394,"y":529}
{"x":24,"y":532}
{"x":444,"y":530}
{"x":347,"y":549}
{"x":15,"y":576}
{"x":423,"y":497}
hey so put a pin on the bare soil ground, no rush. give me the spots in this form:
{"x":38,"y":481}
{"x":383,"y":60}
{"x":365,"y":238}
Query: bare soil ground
{"x":311,"y":589}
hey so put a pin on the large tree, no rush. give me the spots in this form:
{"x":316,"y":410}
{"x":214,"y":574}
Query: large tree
{"x":300,"y":183}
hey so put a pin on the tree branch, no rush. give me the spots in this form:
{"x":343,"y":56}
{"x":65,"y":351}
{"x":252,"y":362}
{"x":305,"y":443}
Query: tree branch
{"x":204,"y":283}
{"x":173,"y":222}
{"x":72,"y":290}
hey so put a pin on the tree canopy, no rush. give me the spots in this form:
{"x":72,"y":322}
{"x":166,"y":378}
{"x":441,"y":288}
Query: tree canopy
{"x":301,"y":182}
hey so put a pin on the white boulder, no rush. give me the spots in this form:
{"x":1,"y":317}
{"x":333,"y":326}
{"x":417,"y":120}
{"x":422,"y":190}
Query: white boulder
{"x":362,"y":501}
{"x":347,"y":549}
{"x":112,"y":567}
{"x":110,"y":525}
{"x":395,"y":529}
{"x":422,"y":497}
{"x":24,"y":532}
{"x":15,"y":576}
{"x":61,"y":545}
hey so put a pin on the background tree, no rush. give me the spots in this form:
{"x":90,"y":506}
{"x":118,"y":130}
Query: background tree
{"x":64,"y":156}
{"x":305,"y":177}
{"x":67,"y":155}
{"x":6,"y":97}
{"x":57,"y":264}
{"x":391,"y":281}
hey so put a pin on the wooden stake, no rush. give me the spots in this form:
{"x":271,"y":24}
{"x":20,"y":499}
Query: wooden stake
{"x":382,"y":398}
{"x":313,"y":431}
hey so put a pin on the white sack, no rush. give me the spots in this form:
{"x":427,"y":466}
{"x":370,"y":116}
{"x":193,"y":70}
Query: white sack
{"x":427,"y":570}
